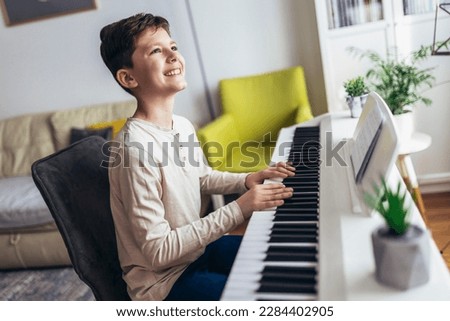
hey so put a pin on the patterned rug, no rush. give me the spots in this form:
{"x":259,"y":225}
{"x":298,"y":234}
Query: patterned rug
{"x":56,"y":284}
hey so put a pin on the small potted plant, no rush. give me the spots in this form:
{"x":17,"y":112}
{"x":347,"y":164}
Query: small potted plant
{"x":401,"y":249}
{"x":400,"y":82}
{"x":357,"y":92}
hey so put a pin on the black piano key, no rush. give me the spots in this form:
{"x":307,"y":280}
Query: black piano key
{"x":289,"y":270}
{"x":285,"y":286}
{"x":311,"y":174}
{"x":300,"y":198}
{"x":297,"y":204}
{"x":301,"y":203}
{"x":294,"y":233}
{"x":289,"y":229}
{"x":307,"y":274}
{"x":294,"y":185}
{"x":294,"y":225}
{"x":296,"y":218}
{"x":302,"y":163}
{"x":291,"y":254}
{"x":303,"y":198}
{"x":284,"y":249}
{"x":292,"y":238}
{"x":306,"y":257}
{"x":310,"y":177}
{"x":301,"y":210}
{"x":302,"y":180}
{"x":304,"y":195}
{"x":305,"y":189}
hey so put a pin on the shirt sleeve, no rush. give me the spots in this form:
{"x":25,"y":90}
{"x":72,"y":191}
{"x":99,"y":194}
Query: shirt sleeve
{"x":140,"y":216}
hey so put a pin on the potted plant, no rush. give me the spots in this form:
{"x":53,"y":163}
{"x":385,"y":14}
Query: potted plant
{"x":400,"y":82}
{"x":401,"y":249}
{"x":357,"y":92}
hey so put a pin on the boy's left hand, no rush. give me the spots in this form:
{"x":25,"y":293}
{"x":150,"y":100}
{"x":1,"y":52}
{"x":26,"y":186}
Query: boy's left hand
{"x":281,"y":170}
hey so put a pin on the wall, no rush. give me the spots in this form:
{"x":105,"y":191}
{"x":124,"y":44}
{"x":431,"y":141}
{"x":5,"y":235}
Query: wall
{"x":55,"y":63}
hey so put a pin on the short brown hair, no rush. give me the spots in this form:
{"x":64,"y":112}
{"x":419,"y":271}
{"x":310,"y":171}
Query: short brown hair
{"x":118,"y":39}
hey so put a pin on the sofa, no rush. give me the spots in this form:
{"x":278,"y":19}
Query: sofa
{"x":29,"y":237}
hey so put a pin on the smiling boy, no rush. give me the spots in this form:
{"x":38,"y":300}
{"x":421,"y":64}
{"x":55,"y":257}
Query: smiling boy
{"x":166,"y":249}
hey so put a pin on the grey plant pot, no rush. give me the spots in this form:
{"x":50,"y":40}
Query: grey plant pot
{"x":356,"y":104}
{"x":402,"y":261}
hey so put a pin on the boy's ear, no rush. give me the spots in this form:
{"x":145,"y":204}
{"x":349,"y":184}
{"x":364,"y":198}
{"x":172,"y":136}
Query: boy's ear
{"x":125,"y":78}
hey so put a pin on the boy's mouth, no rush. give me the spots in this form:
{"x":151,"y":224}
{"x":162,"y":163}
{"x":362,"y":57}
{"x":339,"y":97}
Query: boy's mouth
{"x":173,"y":72}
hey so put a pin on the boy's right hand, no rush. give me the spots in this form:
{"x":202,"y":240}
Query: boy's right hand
{"x":263,"y":196}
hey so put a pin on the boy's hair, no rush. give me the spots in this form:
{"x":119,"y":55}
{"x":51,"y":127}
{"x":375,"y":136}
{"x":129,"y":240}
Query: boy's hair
{"x":118,"y":40}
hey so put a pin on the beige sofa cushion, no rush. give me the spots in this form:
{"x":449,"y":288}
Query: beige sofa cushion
{"x":62,"y":121}
{"x":23,"y":140}
{"x":39,"y":246}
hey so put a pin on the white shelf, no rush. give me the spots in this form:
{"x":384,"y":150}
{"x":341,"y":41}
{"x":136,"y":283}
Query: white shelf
{"x":361,"y":28}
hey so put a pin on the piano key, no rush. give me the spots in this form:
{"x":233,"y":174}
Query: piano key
{"x":300,"y":210}
{"x":294,"y":217}
{"x":296,"y":204}
{"x":292,"y":238}
{"x":294,"y":227}
{"x":282,"y":287}
{"x":292,"y":272}
{"x":305,"y":257}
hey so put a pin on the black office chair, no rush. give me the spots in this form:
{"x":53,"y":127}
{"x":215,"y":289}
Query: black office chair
{"x":76,"y":189}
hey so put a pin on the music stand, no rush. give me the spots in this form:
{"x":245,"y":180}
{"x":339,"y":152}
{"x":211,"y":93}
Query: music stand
{"x":436,"y":51}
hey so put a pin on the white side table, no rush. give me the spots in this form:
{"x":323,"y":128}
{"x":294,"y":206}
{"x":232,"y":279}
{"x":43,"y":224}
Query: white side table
{"x":418,"y":142}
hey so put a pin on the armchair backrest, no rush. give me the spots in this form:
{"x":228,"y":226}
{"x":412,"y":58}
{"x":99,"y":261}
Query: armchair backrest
{"x":263,"y":104}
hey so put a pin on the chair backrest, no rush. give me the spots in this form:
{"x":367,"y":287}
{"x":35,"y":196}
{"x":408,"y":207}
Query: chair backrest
{"x":262,"y":104}
{"x":74,"y":184}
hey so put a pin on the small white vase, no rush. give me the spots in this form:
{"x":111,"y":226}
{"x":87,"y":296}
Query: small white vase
{"x":356,"y":104}
{"x":405,"y":126}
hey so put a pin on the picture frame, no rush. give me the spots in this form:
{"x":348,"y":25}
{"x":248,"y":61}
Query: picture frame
{"x":22,"y":11}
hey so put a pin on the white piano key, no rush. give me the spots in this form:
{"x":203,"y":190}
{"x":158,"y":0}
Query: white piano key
{"x":248,"y":295}
{"x":247,"y":265}
{"x":259,"y":256}
{"x":262,"y":247}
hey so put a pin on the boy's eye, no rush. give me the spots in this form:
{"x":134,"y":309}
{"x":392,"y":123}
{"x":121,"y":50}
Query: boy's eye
{"x":156,"y":50}
{"x":174,"y":48}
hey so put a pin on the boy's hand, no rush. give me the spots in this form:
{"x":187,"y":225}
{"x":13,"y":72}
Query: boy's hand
{"x":281,"y":170}
{"x":262,"y":196}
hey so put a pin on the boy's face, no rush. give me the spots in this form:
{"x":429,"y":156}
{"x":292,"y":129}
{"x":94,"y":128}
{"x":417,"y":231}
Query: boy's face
{"x":158,"y":67}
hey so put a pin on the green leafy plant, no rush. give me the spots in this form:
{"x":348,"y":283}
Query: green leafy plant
{"x":356,"y":87}
{"x":399,"y":82}
{"x":391,"y":204}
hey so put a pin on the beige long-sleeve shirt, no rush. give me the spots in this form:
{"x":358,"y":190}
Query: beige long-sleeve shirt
{"x":156,"y":181}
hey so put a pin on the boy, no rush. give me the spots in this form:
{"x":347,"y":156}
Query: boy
{"x":166,"y":250}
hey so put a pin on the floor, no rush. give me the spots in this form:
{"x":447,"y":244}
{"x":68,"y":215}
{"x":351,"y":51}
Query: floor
{"x":438,"y":221}
{"x":58,"y":284}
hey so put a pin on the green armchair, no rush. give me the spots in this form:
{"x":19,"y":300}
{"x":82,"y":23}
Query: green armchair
{"x":255,"y":108}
